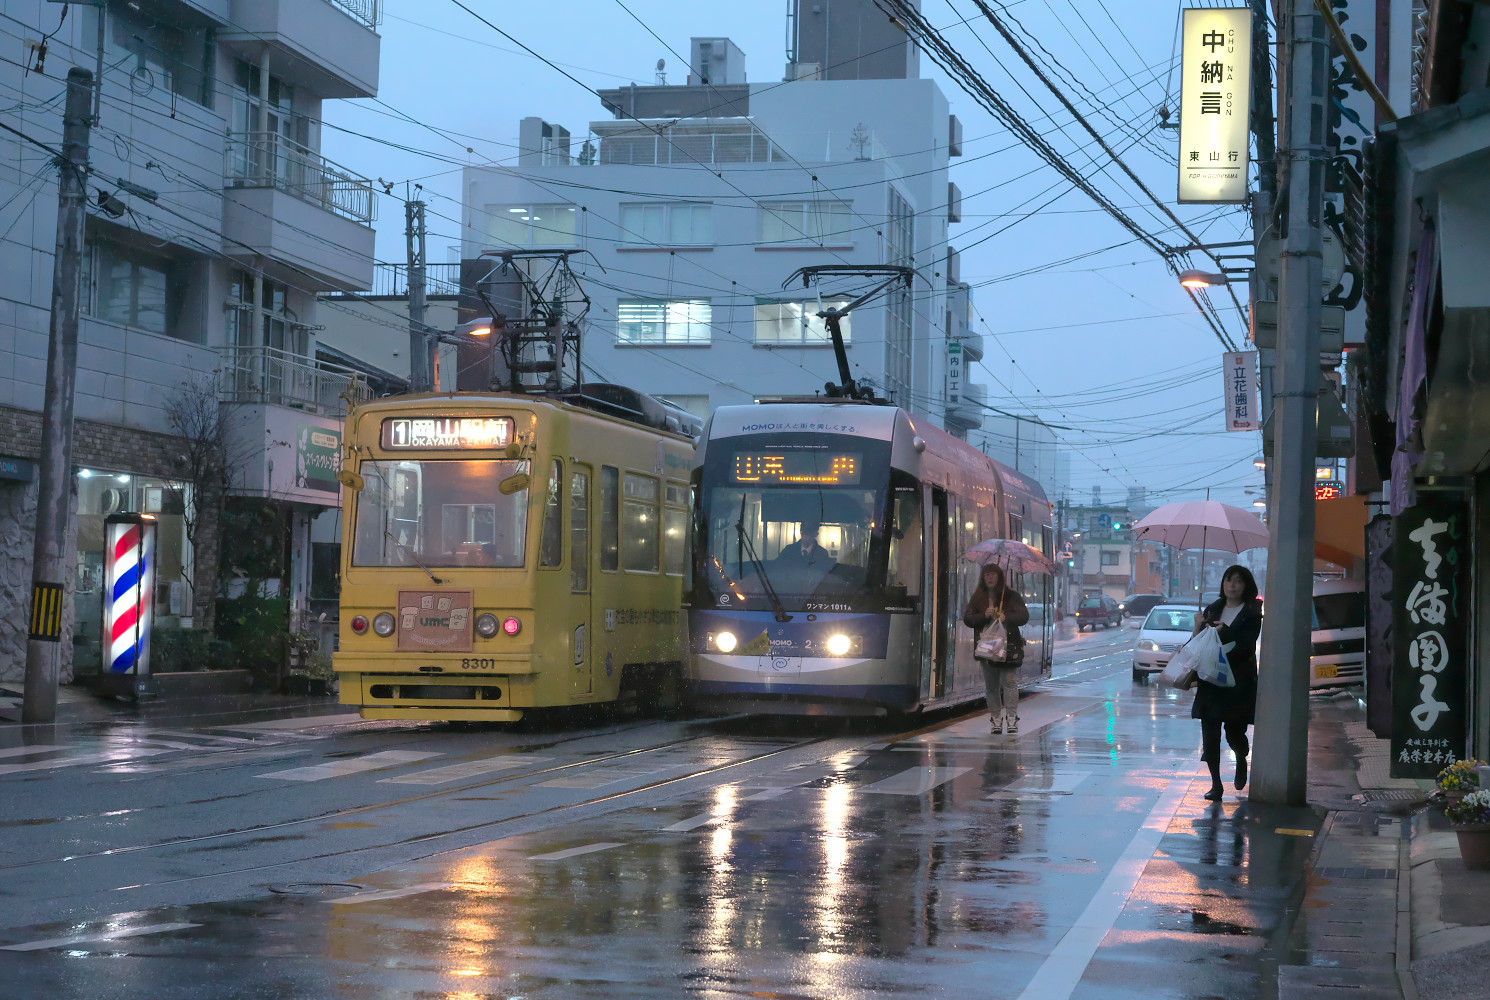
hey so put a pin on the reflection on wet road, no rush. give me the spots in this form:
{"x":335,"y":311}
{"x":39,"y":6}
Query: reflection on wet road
{"x":1074,"y":860}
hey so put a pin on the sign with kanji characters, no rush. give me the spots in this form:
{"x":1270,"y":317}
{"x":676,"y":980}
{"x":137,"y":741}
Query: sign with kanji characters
{"x":1430,"y":615}
{"x":1215,"y":98}
{"x":1239,"y":372}
{"x":954,"y":372}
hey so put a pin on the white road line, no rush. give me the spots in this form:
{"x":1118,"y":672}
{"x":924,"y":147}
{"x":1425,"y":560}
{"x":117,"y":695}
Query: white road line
{"x":110,"y":757}
{"x":469,"y":769}
{"x":288,"y":726}
{"x":599,"y":778}
{"x":125,"y":932}
{"x":409,"y":890}
{"x":1031,"y":784}
{"x":209,"y":737}
{"x":769,"y":793}
{"x":38,"y":748}
{"x":340,"y":768}
{"x":691,"y":823}
{"x":1058,"y":976}
{"x":573,"y":852}
{"x":913,"y":781}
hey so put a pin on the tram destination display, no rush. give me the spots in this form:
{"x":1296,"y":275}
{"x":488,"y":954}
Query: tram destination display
{"x":446,"y":433}
{"x":797,"y":468}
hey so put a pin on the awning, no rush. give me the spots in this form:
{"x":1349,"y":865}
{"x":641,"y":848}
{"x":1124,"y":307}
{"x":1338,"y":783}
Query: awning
{"x":1340,"y":530}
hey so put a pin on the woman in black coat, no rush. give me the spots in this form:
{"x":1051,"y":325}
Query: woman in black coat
{"x":992,"y":601}
{"x":1237,"y":617}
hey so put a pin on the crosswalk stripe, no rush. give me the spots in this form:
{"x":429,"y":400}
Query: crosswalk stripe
{"x":601,"y":777}
{"x":913,"y":781}
{"x":38,"y":748}
{"x":341,"y":768}
{"x":410,"y":890}
{"x":573,"y":852}
{"x":691,"y":823}
{"x":469,"y":769}
{"x":125,"y":932}
{"x":110,"y":757}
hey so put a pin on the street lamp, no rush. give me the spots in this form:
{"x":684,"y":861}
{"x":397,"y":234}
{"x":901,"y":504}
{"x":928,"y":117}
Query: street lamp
{"x":474,"y":348}
{"x":1193,"y":278}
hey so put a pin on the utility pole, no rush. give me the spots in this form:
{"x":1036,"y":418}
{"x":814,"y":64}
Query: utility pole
{"x":1280,"y":774}
{"x":51,"y":584}
{"x":420,"y":361}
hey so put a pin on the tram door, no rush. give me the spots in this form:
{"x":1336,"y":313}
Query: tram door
{"x":582,"y":676}
{"x":938,"y":606}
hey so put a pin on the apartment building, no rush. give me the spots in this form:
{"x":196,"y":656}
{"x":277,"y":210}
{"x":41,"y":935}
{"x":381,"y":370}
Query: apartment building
{"x":213,"y":224}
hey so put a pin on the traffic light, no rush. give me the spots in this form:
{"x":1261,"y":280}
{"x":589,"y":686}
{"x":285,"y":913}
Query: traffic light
{"x":1117,"y":526}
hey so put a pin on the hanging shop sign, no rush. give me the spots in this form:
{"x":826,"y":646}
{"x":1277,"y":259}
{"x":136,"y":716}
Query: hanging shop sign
{"x":1239,"y":370}
{"x":1430,"y":615}
{"x":1215,"y":98}
{"x":954,"y":372}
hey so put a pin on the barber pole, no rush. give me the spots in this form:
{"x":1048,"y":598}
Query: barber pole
{"x":129,"y":584}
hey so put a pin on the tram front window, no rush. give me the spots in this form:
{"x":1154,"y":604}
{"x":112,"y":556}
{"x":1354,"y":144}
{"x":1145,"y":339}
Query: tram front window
{"x":440,"y":513}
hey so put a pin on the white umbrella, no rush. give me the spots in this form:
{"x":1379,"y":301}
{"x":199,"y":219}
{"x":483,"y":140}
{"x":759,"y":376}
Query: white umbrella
{"x":1203,"y":524}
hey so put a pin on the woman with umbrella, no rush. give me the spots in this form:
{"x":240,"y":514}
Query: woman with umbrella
{"x":994,"y":601}
{"x":1237,"y":618}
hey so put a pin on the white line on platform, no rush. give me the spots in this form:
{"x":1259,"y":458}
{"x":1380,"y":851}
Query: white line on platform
{"x":573,"y":852}
{"x":914,"y":781}
{"x":408,"y":890}
{"x":1058,"y":976}
{"x":469,"y":769}
{"x":125,"y":932}
{"x":339,"y":768}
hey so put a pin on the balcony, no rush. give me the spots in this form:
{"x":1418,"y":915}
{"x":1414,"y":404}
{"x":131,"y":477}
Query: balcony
{"x":967,"y":413}
{"x":278,"y":378}
{"x":269,"y":180}
{"x":692,"y":141}
{"x":972,"y":348}
{"x":329,"y":47}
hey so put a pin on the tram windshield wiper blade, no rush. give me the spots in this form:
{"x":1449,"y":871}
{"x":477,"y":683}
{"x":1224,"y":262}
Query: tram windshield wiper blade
{"x":760,"y":568}
{"x":412,"y":555}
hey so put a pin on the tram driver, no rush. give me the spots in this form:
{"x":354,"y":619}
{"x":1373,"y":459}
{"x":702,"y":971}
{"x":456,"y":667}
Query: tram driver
{"x":801,"y":566}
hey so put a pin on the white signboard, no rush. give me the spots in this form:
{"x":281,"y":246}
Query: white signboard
{"x":1239,"y":371}
{"x":954,"y":372}
{"x":1215,"y":95}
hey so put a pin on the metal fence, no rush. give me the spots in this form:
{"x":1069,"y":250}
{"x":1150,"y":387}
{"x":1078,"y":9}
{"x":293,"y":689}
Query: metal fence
{"x":268,"y":159}
{"x":269,"y":375}
{"x":369,"y":12}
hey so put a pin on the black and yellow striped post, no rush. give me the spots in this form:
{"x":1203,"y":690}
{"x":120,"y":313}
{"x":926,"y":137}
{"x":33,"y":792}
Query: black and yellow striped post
{"x":46,"y":612}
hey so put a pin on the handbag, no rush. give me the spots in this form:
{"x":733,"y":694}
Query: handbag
{"x":1178,"y":676}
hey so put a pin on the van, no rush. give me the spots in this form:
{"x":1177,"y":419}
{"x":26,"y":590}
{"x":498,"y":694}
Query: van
{"x":1337,"y":653}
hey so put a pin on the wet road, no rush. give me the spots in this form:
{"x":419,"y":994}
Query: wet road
{"x":722,"y":858}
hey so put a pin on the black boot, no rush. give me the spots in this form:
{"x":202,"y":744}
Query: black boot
{"x":1217,"y":789}
{"x":1241,"y":772}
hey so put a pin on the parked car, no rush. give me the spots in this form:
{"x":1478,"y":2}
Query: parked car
{"x":1138,"y":605}
{"x":1337,"y":652}
{"x":1094,"y":611}
{"x":1165,"y":629}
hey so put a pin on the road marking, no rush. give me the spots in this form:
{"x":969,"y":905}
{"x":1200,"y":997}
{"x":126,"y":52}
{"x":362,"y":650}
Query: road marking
{"x":469,"y":769}
{"x":408,"y":890}
{"x":1055,"y":784}
{"x":340,"y":768}
{"x":111,"y":757}
{"x":913,"y":781}
{"x":210,"y":737}
{"x":281,"y":725}
{"x":691,"y":823}
{"x":769,"y":793}
{"x":601,"y":777}
{"x":573,"y":852}
{"x":1059,"y":974}
{"x":102,"y":936}
{"x":38,"y":748}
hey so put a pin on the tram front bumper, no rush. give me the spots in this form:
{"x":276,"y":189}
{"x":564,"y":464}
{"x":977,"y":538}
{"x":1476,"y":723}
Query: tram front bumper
{"x":423,"y":696}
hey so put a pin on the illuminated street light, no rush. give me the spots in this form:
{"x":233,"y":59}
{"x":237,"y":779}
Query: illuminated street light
{"x":1192,"y":278}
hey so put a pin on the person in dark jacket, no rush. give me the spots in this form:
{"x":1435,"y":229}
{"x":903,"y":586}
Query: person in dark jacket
{"x":993,"y":601}
{"x":1237,"y":617}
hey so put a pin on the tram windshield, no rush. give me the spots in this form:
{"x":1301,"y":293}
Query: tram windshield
{"x":809,"y":529}
{"x":440,"y":513}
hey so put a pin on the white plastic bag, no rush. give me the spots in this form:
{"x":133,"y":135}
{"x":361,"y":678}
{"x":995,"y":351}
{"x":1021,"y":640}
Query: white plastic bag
{"x":1212,"y":666}
{"x":1177,"y":674}
{"x":994,"y":643}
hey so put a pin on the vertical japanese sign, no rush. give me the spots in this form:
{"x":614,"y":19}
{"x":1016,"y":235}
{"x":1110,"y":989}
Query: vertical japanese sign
{"x":1430,"y":614}
{"x":1215,"y":97}
{"x":954,"y":372}
{"x":1239,"y":370}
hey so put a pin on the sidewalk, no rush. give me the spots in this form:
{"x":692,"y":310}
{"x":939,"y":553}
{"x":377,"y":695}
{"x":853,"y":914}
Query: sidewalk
{"x":208,"y":696}
{"x":1390,"y":910}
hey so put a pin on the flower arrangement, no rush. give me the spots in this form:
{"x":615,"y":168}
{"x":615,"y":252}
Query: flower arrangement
{"x":1474,"y":807}
{"x":1460,"y":776}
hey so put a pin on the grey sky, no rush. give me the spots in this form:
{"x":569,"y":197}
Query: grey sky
{"x":1107,"y":347}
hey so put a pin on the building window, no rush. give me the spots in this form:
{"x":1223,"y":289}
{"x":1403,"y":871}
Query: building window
{"x":673,"y":224}
{"x":533,"y":224}
{"x":267,"y":323}
{"x":806,"y":222}
{"x":134,"y":288}
{"x":796,"y":324}
{"x":1109,"y":558}
{"x":663,"y":321}
{"x":159,"y":57}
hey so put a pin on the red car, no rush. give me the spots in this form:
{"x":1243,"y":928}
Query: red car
{"x":1094,"y":611}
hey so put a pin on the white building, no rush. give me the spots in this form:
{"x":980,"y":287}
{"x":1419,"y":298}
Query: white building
{"x":215,"y":106}
{"x":700,"y":200}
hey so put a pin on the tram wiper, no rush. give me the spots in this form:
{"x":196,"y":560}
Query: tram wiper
{"x":760,"y":570}
{"x":409,"y":550}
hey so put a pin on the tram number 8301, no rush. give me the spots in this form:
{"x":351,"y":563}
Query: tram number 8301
{"x":478,"y":664}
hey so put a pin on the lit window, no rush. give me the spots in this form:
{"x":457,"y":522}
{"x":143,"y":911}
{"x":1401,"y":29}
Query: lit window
{"x":532,"y":225}
{"x":663,"y":321}
{"x":796,"y":323}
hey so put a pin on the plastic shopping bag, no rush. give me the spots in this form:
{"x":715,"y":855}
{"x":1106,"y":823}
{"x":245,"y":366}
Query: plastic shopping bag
{"x":1186,"y":663}
{"x":1211,"y":663}
{"x":1178,"y":673}
{"x":994,"y":644}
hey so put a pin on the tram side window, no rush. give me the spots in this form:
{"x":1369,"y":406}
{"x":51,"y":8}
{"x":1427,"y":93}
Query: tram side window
{"x":551,"y":546}
{"x":639,"y":515}
{"x":610,"y":518}
{"x":675,"y":529}
{"x":579,"y":532}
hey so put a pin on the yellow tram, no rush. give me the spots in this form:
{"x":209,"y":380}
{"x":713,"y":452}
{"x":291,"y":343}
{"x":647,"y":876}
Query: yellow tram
{"x":508,"y":552}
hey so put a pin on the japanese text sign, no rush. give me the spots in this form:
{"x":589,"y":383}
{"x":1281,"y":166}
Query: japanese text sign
{"x":1215,"y":95}
{"x":954,"y":372}
{"x":1239,"y":372}
{"x":1430,"y":613}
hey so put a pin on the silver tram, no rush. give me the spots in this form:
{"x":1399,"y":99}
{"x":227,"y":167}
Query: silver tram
{"x":871,"y":624}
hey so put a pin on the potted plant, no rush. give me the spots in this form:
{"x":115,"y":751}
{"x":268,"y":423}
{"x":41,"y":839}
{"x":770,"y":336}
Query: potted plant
{"x":1471,"y":818}
{"x":1457,"y":779}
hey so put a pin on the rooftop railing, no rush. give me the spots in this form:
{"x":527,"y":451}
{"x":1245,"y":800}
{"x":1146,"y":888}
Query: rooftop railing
{"x":279,"y":378}
{"x":268,"y":159}
{"x":369,"y":12}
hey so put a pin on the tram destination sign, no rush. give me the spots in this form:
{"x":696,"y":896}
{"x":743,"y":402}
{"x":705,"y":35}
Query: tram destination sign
{"x":809,"y":468}
{"x":446,"y":433}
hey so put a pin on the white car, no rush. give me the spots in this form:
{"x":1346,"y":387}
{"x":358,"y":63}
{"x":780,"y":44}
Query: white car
{"x":1337,"y":640}
{"x":1164,"y":629}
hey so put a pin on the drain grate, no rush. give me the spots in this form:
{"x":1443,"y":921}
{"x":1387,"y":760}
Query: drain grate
{"x":1391,"y":795}
{"x":1356,"y":872}
{"x":315,"y":888}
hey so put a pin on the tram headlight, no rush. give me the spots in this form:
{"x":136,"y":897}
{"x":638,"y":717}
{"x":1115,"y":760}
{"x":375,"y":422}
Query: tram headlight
{"x":725,"y":642}
{"x":840,"y":644}
{"x":383,"y":624}
{"x":359,"y":624}
{"x":487,"y":625}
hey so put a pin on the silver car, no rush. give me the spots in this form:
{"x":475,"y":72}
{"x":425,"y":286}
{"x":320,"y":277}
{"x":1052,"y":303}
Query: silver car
{"x":1164,"y":630}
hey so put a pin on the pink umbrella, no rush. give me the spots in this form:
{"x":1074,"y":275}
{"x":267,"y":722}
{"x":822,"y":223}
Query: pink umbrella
{"x":1010,"y":554}
{"x":1203,"y":524}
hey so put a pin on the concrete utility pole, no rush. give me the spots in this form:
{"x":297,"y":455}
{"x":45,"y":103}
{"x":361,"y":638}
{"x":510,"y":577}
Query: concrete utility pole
{"x":420,"y":361}
{"x":51,"y":583}
{"x":1280,"y":773}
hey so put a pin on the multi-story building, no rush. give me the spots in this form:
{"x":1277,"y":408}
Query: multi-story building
{"x":700,"y":200}
{"x":214,"y":222}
